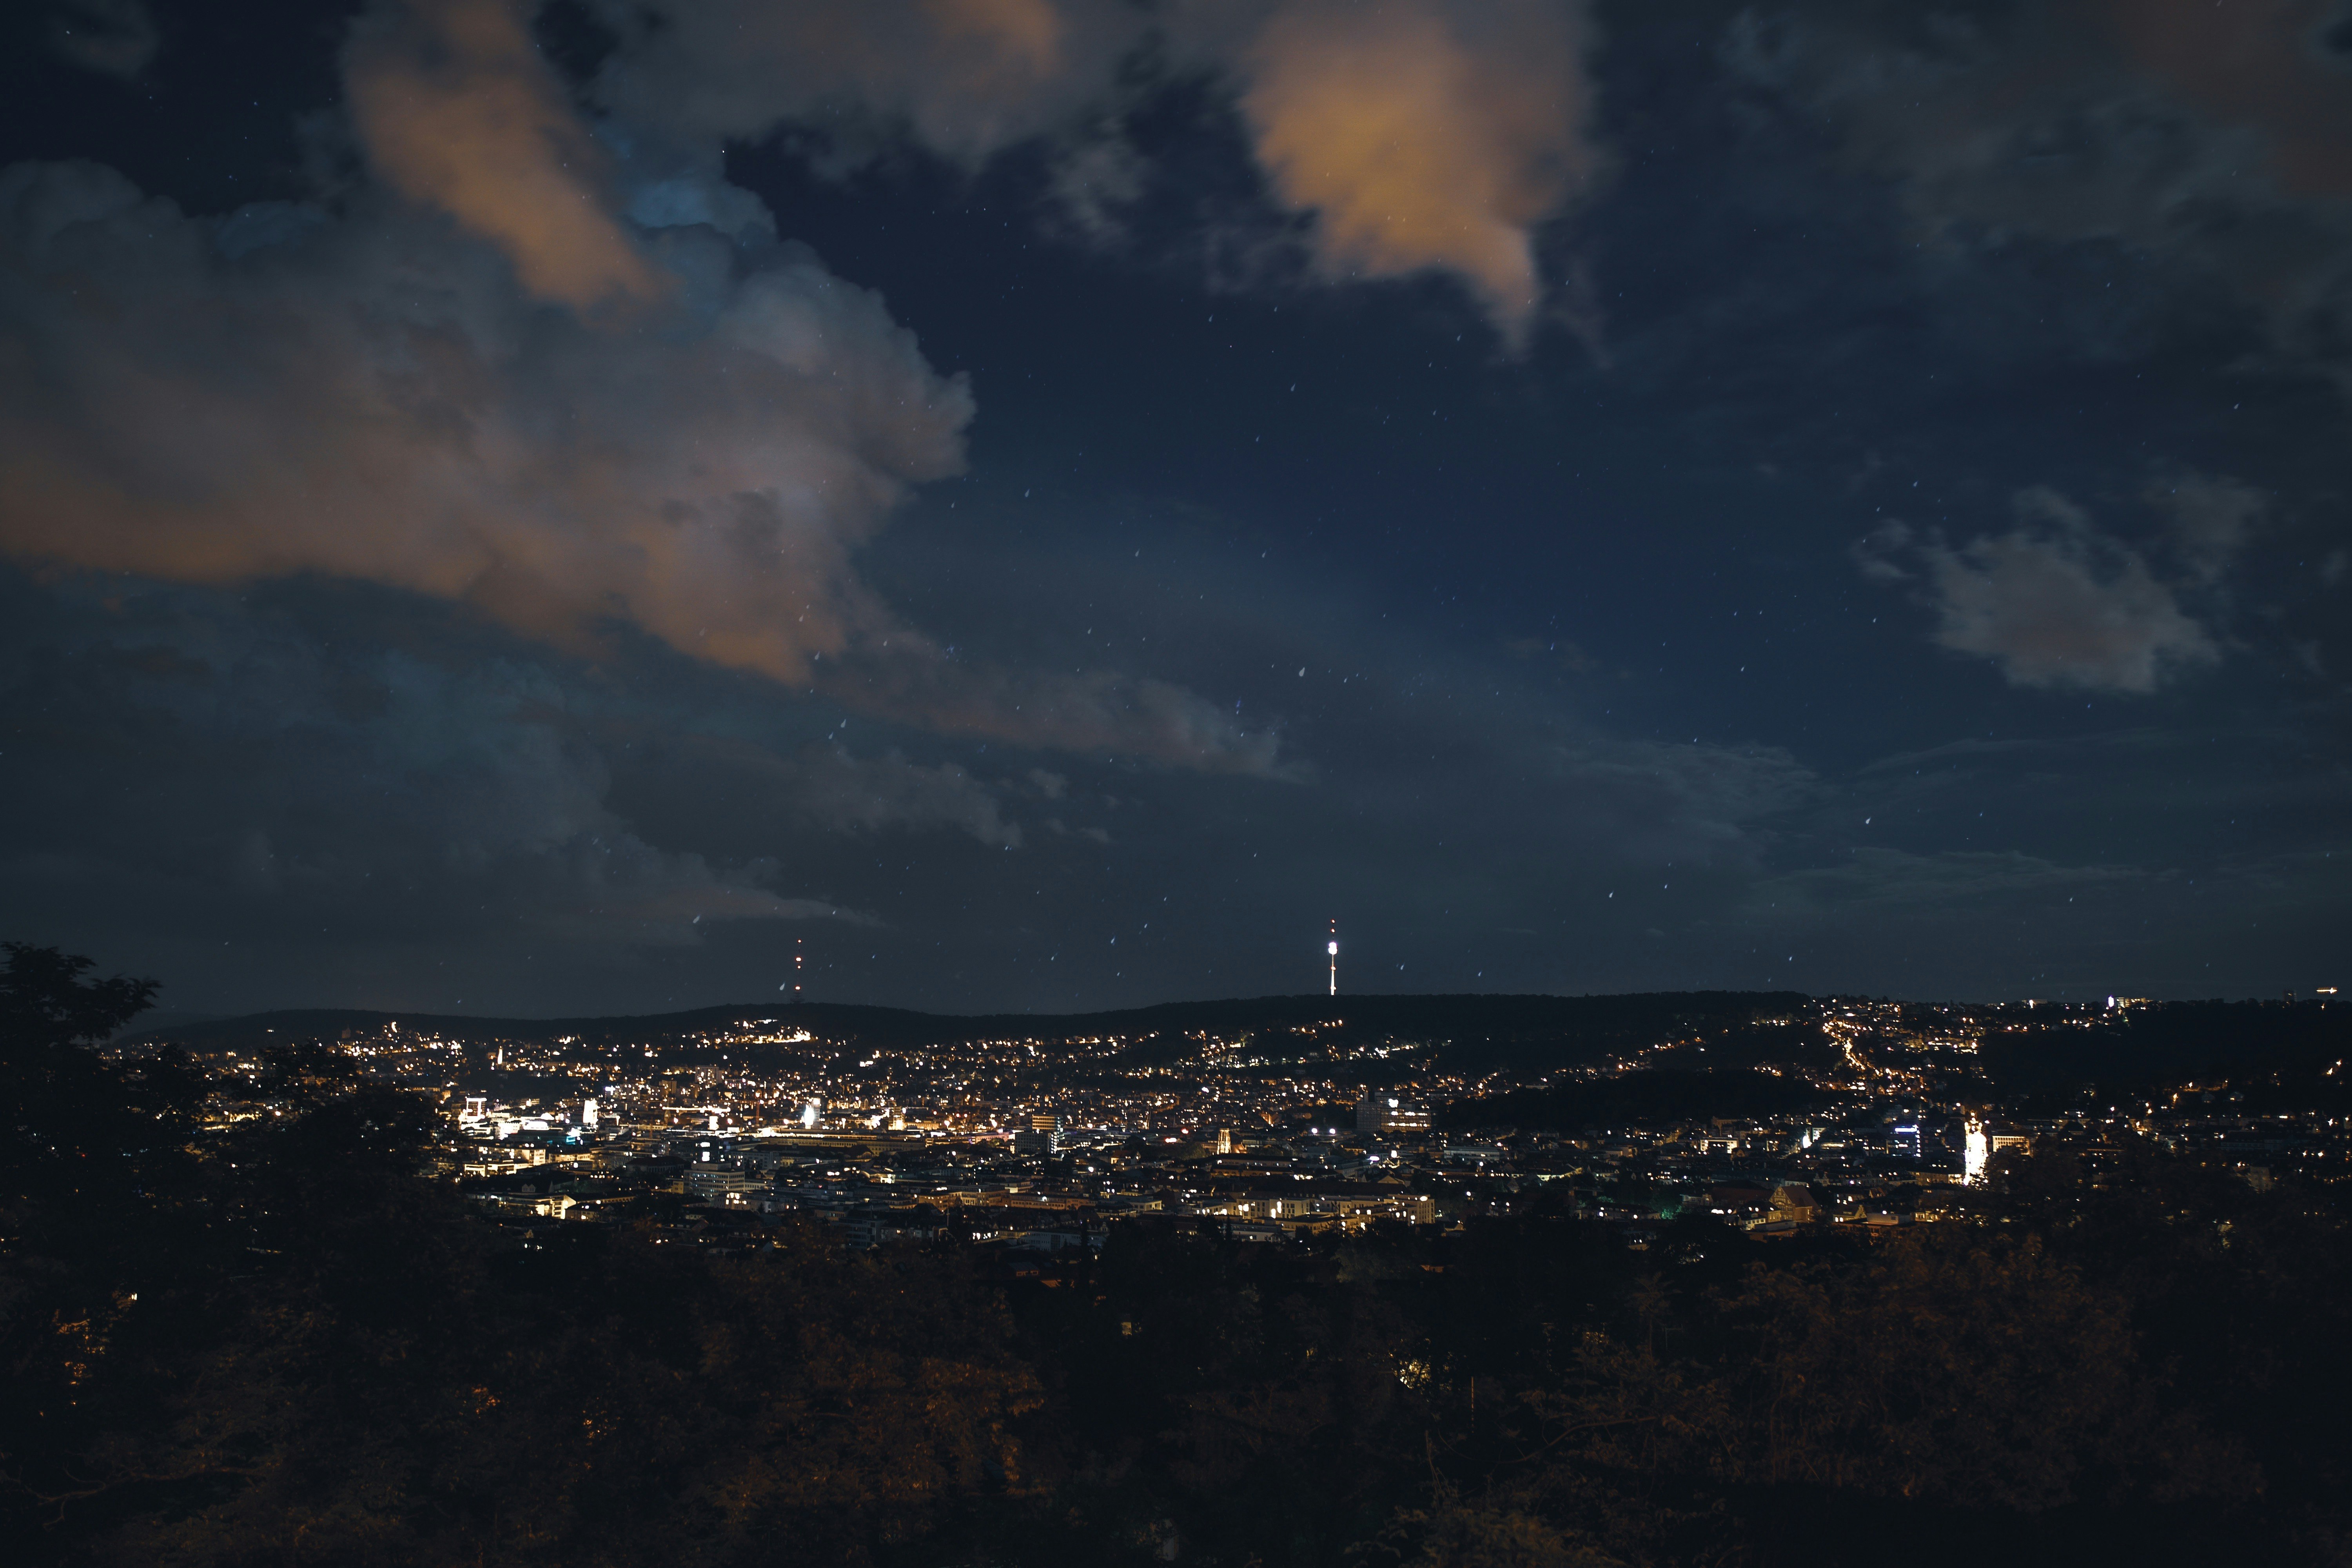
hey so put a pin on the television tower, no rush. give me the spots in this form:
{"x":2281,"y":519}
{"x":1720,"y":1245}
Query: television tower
{"x":1334,"y":950}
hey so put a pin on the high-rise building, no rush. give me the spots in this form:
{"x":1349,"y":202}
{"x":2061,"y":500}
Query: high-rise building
{"x":1043,"y":1135}
{"x":1382,"y":1112}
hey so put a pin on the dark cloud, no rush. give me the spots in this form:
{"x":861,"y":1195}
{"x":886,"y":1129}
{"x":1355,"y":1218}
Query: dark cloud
{"x":116,"y":37}
{"x":1647,"y":803}
{"x":2212,"y":519}
{"x":2119,"y":859}
{"x":827,"y":785}
{"x":1877,"y":880}
{"x":2216,"y":141}
{"x":256,"y":776}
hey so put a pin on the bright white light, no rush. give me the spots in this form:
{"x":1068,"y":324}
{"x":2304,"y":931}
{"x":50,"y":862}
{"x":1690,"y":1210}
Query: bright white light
{"x":1974,"y":1152}
{"x":1335,"y":949}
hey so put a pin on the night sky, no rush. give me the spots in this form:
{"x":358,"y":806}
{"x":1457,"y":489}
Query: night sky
{"x":1045,"y":504}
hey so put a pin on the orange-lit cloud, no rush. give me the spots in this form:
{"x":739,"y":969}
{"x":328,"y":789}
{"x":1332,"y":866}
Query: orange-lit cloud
{"x":2056,"y":602}
{"x":373,"y":398}
{"x":1421,"y":134}
{"x":381,"y":395}
{"x":458,"y":111}
{"x":1423,"y":137}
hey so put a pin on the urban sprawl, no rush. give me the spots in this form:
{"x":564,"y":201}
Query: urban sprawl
{"x":1887,"y":1119}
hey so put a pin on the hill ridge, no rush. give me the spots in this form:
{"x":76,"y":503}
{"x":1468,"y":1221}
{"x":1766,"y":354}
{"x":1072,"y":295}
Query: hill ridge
{"x":1433,"y":1016}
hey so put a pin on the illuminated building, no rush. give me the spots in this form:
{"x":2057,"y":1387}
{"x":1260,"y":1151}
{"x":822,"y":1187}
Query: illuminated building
{"x":1380,"y":1113}
{"x":1042,"y":1136}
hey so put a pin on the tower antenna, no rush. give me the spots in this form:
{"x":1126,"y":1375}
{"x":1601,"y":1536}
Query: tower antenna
{"x":1334,"y":950}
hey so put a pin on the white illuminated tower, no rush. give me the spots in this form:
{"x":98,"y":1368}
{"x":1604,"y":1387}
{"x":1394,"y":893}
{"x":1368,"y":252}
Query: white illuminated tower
{"x":1334,"y":950}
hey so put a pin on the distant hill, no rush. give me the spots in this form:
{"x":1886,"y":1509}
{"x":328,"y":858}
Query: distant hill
{"x":2026,"y":1060}
{"x":1479,"y":1030}
{"x":2172,"y":1041}
{"x":163,"y":1021}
